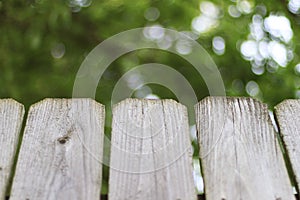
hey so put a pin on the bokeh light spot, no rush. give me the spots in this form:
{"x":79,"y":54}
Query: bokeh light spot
{"x":218,"y":45}
{"x":58,"y":50}
{"x":152,"y":14}
{"x":252,"y":88}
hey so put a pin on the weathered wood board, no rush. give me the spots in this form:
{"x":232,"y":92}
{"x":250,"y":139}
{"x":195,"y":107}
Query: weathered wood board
{"x":150,"y":151}
{"x":61,"y":152}
{"x":11,"y":117}
{"x":288,"y":117}
{"x":239,"y":151}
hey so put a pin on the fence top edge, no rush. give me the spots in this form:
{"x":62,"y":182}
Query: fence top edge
{"x":12,"y":101}
{"x":230,"y":99}
{"x":132,"y":100}
{"x":284,"y":103}
{"x":68,"y":100}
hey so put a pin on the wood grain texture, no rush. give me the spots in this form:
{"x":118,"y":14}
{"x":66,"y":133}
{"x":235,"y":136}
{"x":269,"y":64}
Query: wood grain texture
{"x":150,"y":151}
{"x":61,"y":152}
{"x":11,"y":117}
{"x":239,"y":151}
{"x":287,"y":114}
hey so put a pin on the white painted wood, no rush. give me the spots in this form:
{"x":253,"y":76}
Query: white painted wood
{"x":288,"y":118}
{"x":239,"y":151}
{"x":11,"y":117}
{"x":150,"y":151}
{"x":61,"y":152}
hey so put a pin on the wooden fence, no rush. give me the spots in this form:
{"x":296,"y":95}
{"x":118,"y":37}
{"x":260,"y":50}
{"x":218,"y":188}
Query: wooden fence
{"x":59,"y":155}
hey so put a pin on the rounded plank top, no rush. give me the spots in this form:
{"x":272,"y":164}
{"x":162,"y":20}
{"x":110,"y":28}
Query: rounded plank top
{"x":61,"y":151}
{"x":239,"y":152}
{"x":151,"y":154}
{"x":287,"y":114}
{"x":11,"y":118}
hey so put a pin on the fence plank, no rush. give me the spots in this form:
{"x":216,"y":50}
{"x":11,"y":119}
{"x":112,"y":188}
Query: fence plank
{"x":288,"y":117}
{"x":151,"y":151}
{"x":11,"y":117}
{"x":61,"y":151}
{"x":239,"y":151}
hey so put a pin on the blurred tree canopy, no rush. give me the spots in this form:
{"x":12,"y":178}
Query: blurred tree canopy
{"x":255,"y":44}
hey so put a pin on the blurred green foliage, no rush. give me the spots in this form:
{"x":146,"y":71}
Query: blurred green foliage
{"x":43,"y":43}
